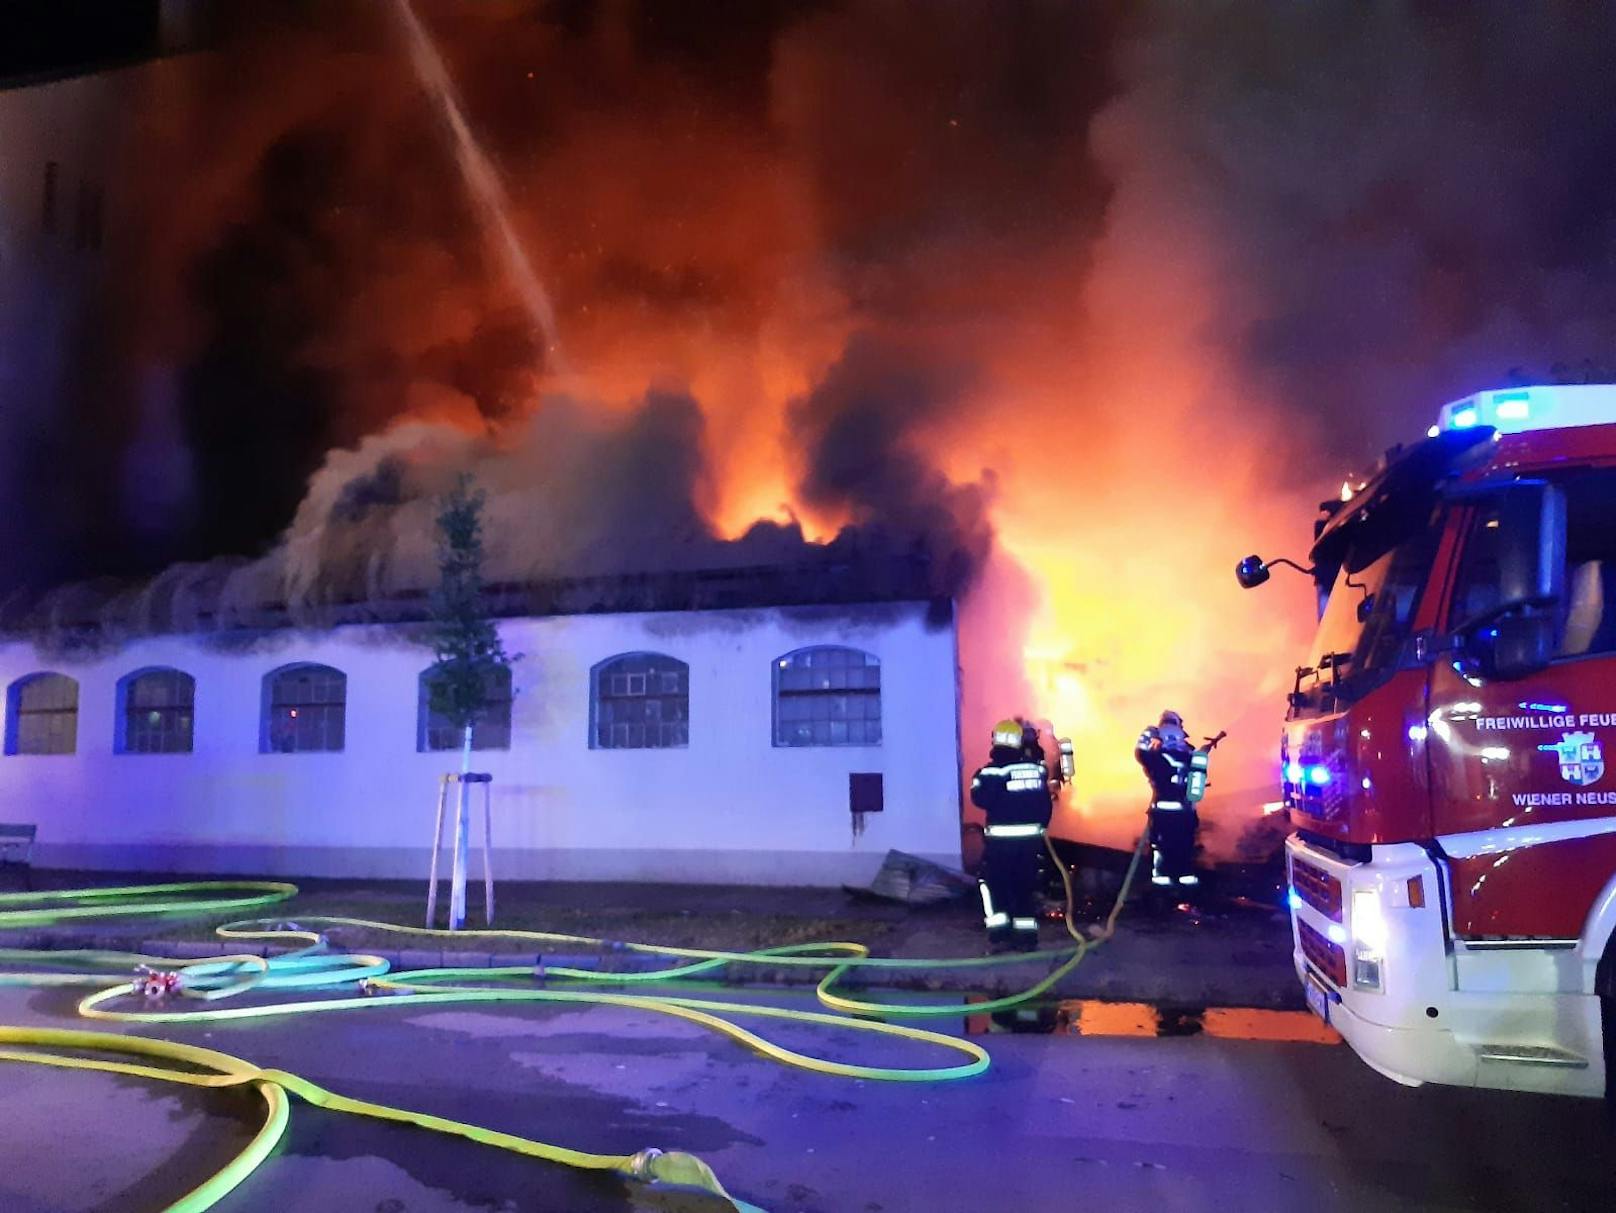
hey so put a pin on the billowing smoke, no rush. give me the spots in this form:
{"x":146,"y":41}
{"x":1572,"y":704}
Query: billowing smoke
{"x":1077,"y":303}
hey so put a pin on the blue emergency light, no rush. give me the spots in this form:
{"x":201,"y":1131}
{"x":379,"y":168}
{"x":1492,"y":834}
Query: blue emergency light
{"x":1314,"y":774}
{"x":1516,"y":410}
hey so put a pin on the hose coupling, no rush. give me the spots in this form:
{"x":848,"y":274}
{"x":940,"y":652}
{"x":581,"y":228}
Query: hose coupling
{"x":640,"y":1165}
{"x":156,"y":985}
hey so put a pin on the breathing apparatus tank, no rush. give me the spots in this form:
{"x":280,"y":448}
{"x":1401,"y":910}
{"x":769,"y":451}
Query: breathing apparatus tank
{"x":1195,"y":777}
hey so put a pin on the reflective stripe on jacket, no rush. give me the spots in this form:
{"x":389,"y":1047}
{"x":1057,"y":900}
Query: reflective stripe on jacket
{"x":1013,"y":793}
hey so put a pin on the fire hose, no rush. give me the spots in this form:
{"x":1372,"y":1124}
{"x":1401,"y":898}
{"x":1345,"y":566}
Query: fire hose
{"x":313,"y":967}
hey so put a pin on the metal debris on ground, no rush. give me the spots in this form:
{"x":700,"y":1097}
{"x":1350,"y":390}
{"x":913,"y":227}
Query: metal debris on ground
{"x":910,"y":880}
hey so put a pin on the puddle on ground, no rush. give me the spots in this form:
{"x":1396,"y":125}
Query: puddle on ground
{"x":1089,"y":1017}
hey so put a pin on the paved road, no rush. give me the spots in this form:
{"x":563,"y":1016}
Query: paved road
{"x":1059,"y":1123}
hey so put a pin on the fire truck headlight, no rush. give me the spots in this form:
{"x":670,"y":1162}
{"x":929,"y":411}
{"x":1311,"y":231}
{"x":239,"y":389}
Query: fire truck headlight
{"x":1368,"y":939}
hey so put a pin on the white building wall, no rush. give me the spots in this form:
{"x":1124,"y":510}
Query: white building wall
{"x":729,"y":807}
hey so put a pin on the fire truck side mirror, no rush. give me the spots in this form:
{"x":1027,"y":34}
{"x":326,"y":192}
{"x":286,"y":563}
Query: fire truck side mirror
{"x":1512,"y":646}
{"x":1251,"y":572}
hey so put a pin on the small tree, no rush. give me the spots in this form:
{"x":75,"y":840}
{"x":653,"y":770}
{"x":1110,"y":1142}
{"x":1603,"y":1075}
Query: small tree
{"x":468,"y":649}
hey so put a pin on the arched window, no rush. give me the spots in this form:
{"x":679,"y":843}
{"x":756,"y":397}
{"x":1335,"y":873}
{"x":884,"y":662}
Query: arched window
{"x":304,"y":709}
{"x":827,"y":696}
{"x":490,"y":731}
{"x":639,"y":701}
{"x":156,"y":712}
{"x":42,"y":714}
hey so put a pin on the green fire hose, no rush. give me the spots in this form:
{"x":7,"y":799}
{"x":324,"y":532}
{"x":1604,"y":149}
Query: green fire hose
{"x":313,"y":967}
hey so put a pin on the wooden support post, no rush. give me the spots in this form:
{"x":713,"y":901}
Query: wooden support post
{"x":488,"y":850}
{"x":437,"y":846}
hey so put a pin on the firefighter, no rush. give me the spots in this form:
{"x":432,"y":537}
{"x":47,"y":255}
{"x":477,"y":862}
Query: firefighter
{"x":1165,"y":752}
{"x":1013,"y":790}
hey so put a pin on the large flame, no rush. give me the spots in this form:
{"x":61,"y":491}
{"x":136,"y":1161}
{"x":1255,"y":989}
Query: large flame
{"x":1102,"y":281}
{"x":914,"y":266}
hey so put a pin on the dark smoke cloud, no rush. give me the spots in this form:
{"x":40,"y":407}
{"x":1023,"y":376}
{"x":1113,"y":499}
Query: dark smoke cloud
{"x":1106,"y":279}
{"x":857,"y":432}
{"x":1410,"y":199}
{"x":1403,"y":203}
{"x":310,"y":268}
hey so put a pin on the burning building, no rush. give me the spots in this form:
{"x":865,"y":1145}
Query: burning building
{"x":1076,"y":302}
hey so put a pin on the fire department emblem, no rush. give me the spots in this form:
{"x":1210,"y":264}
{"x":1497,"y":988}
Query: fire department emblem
{"x":1582,"y":762}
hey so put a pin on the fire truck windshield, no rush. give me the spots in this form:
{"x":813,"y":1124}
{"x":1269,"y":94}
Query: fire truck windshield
{"x":1366,"y":621}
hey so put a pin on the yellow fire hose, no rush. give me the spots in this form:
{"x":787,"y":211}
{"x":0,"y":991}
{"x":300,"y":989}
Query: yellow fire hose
{"x":312,"y":967}
{"x":218,"y":1070}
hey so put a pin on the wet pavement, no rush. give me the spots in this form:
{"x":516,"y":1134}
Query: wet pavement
{"x":1150,"y":1119}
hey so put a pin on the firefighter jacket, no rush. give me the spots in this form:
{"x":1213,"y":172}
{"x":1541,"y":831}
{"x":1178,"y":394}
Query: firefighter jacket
{"x":1012,"y":790}
{"x":1166,"y":763}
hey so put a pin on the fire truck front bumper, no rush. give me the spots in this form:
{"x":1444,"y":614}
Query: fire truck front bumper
{"x":1373,"y":958}
{"x":1369,"y":951}
{"x":1412,"y":1056}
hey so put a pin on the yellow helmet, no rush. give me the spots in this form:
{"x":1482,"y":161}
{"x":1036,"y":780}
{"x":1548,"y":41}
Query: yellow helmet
{"x":1007,"y":732}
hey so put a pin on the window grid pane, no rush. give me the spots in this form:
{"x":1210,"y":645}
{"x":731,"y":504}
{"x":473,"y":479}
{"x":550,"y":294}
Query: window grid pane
{"x":641,"y":701}
{"x":307,"y":711}
{"x":159,"y":713}
{"x":48,"y":693}
{"x":827,"y":696}
{"x":47,"y":715}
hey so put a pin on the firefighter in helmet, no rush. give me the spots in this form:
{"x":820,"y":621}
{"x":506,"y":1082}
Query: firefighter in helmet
{"x":1013,"y":790}
{"x":1176,"y":771}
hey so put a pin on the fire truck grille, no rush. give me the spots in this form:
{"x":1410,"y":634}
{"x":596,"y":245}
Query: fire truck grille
{"x":1328,"y":958}
{"x":1317,"y":888}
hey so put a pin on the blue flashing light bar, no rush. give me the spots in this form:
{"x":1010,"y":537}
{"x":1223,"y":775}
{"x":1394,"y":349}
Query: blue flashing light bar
{"x":1516,"y":410}
{"x":1314,"y":773}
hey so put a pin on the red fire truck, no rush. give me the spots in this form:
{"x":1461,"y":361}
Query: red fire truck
{"x":1453,"y":872}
